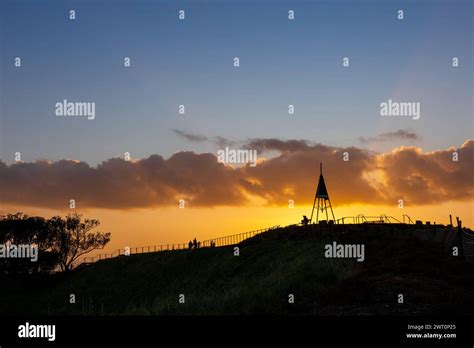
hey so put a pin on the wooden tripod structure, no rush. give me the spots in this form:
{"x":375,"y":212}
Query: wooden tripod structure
{"x":321,"y":199}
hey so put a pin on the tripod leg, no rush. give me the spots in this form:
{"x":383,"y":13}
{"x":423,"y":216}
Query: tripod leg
{"x":317,"y":212}
{"x":326,"y":209}
{"x":312,"y":211}
{"x":332,"y":212}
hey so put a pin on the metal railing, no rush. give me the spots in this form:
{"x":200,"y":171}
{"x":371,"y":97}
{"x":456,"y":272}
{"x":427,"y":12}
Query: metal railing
{"x":214,"y":242}
{"x":361,"y":218}
{"x":405,"y":216}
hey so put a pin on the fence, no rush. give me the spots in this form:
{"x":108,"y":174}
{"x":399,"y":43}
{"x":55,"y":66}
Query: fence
{"x":217,"y":242}
{"x":361,"y":218}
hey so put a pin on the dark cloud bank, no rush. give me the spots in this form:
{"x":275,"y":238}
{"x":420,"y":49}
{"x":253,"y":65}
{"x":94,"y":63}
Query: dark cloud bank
{"x":407,"y":173}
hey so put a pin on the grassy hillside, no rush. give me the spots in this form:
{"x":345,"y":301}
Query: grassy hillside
{"x":270,"y":267}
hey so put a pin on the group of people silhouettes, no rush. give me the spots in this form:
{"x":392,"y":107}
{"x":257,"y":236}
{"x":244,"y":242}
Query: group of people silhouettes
{"x":194,"y":244}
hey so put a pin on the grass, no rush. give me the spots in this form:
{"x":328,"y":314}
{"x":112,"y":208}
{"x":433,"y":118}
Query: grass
{"x":258,"y":281}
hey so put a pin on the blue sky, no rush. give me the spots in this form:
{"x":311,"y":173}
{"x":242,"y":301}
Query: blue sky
{"x":190,"y":62}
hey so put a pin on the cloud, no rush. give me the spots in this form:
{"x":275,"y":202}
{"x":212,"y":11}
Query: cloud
{"x":189,"y":136}
{"x":223,"y":142}
{"x":401,"y":134}
{"x":119,"y":184}
{"x":197,"y":138}
{"x":277,"y":145}
{"x":430,"y":177}
{"x":379,"y":178}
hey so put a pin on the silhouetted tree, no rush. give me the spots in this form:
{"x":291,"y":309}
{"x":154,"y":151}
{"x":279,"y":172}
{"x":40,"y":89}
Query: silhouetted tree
{"x":73,"y":238}
{"x":59,"y":241}
{"x":20,"y":229}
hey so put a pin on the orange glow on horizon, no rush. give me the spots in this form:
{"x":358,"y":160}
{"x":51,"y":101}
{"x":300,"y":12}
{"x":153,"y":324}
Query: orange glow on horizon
{"x":145,"y":227}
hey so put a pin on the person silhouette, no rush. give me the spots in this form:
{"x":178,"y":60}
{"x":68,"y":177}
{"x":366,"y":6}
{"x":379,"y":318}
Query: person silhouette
{"x":305,"y":221}
{"x":190,"y":244}
{"x":195,"y":243}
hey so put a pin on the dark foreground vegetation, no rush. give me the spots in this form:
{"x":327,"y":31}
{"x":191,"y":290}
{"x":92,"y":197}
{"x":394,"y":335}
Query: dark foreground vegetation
{"x":58,"y":242}
{"x":270,"y":267}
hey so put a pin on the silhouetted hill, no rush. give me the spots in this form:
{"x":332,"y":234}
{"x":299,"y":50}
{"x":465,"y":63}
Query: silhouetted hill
{"x":270,"y":267}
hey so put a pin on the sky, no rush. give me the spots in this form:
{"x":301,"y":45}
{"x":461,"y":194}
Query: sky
{"x":190,"y":62}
